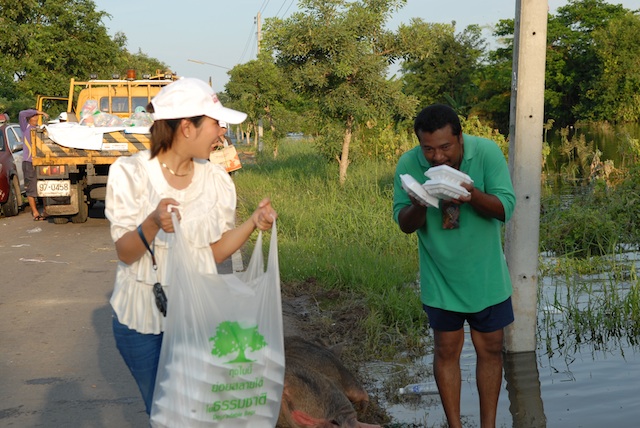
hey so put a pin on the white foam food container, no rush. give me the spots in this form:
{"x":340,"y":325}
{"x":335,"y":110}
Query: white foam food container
{"x":416,"y":190}
{"x":448,"y":174}
{"x":444,"y":189}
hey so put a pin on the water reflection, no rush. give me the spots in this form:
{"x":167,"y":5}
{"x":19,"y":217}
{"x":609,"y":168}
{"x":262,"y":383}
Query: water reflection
{"x":523,"y":386}
{"x":605,"y":137}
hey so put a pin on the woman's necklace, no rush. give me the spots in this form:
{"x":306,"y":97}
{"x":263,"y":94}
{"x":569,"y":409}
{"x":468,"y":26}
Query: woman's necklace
{"x":164,"y":165}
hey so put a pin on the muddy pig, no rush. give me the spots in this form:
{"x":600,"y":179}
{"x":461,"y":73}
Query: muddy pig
{"x":319,"y":391}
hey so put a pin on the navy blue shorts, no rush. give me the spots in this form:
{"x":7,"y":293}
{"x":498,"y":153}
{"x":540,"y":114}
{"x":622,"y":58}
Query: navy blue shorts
{"x":487,"y":320}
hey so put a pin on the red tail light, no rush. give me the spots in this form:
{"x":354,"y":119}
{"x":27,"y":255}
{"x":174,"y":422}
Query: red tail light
{"x":52,"y":170}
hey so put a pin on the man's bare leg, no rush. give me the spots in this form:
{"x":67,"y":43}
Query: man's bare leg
{"x":488,"y":373}
{"x":33,"y":205}
{"x":446,"y":368}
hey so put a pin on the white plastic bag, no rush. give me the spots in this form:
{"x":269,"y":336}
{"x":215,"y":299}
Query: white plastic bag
{"x":222,"y":357}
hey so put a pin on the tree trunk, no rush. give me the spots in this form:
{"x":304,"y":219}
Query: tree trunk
{"x":245,"y":133}
{"x":267,"y":110}
{"x":255,"y":136}
{"x":344,"y":156}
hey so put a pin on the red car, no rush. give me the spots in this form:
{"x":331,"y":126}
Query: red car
{"x":10,"y":189}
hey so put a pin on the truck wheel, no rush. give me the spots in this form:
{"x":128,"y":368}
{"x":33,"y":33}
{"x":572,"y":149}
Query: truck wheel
{"x":83,"y":208}
{"x":12,"y":206}
{"x":59,"y":219}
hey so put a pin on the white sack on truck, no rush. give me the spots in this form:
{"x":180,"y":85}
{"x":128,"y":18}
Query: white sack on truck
{"x":76,"y":136}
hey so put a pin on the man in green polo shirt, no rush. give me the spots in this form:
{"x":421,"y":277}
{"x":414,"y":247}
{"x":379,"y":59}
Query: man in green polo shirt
{"x":463,"y":271}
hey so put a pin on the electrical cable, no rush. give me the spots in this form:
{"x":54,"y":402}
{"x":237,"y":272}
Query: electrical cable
{"x":252,"y":33}
{"x":264,"y":6}
{"x":278,"y":12}
{"x":289,"y":7}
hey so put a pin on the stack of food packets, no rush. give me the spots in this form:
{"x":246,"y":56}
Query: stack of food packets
{"x":444,"y":183}
{"x":417,"y":191}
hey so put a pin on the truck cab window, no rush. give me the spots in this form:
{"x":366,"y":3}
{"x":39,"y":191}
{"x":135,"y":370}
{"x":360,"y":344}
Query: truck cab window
{"x":121,"y":104}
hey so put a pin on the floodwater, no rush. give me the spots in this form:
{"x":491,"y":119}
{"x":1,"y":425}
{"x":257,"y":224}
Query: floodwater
{"x":592,"y":384}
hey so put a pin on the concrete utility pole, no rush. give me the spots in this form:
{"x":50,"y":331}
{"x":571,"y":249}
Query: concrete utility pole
{"x":259,"y":37}
{"x":258,"y":31}
{"x":525,"y":163}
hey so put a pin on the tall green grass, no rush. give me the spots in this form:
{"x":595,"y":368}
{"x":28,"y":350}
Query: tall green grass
{"x":341,"y":237}
{"x":594,"y":302}
{"x":344,"y":238}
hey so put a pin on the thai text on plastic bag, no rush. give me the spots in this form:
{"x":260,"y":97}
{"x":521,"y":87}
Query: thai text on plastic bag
{"x":222,"y":358}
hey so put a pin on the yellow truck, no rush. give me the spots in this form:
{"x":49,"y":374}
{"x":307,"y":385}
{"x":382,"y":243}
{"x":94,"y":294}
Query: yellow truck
{"x":73,"y":179}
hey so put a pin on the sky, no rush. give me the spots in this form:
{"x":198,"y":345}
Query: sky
{"x":206,"y":38}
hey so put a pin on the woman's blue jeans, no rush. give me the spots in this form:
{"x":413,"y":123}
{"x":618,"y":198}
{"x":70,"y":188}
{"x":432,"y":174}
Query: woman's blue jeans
{"x":141,"y":353}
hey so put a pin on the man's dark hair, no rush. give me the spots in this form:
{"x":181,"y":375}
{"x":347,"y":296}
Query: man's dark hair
{"x":435,"y":117}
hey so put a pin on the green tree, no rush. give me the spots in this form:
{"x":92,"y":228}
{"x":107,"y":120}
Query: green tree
{"x":46,"y":43}
{"x":336,"y":53}
{"x":573,"y":66}
{"x":230,"y":337}
{"x":494,"y":81}
{"x":615,"y":95}
{"x":261,"y":90}
{"x":60,"y":38}
{"x":586,"y":42}
{"x":449,"y":73}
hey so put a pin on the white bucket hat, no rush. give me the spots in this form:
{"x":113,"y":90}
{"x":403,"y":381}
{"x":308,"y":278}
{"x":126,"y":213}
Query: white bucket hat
{"x":191,"y":97}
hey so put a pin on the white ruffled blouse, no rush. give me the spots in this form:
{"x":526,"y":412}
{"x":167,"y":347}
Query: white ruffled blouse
{"x":135,"y":186}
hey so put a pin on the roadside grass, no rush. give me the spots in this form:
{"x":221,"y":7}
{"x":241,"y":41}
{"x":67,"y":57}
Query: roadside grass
{"x":342,"y":238}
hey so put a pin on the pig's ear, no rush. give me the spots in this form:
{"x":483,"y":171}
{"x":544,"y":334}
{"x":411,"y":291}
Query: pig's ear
{"x":305,"y":419}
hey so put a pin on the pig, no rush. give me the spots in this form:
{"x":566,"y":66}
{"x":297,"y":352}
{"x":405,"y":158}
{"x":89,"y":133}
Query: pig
{"x":319,"y":391}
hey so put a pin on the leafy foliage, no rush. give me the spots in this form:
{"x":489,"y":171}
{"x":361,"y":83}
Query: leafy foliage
{"x":260,"y":89}
{"x":449,"y":74}
{"x":473,"y":126}
{"x":336,"y":54}
{"x":600,"y":220}
{"x":494,"y":81}
{"x":575,"y":68}
{"x":592,"y":69}
{"x":578,"y":229}
{"x":46,"y":43}
{"x":616,"y":91}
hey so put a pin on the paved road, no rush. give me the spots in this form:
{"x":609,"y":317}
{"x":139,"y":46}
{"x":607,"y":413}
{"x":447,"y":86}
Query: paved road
{"x":58,"y":363}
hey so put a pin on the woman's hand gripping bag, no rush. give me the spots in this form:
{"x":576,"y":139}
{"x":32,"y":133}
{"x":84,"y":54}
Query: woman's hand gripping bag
{"x":222,"y":358}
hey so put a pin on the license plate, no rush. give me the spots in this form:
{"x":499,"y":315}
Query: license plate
{"x":51,"y":188}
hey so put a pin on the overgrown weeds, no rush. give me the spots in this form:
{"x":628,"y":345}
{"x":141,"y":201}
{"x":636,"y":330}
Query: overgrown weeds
{"x":343,"y":238}
{"x":598,"y":306}
{"x":589,"y":288}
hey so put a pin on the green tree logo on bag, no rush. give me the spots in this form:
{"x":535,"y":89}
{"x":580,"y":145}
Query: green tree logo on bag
{"x":230,"y":337}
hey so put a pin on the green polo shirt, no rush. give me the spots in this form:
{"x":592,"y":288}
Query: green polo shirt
{"x":464,"y":269}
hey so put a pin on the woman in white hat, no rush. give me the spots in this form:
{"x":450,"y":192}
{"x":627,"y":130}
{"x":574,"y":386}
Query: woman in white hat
{"x":174,"y":175}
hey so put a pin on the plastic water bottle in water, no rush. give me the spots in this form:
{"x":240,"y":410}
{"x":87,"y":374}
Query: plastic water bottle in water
{"x":419,"y":388}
